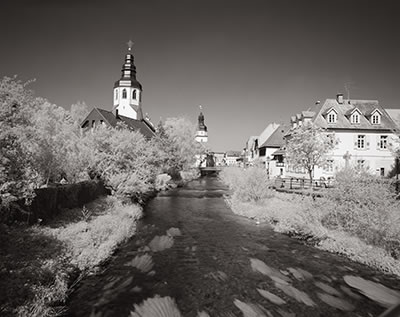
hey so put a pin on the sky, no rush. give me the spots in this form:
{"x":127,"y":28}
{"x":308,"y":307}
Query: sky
{"x":248,"y":63}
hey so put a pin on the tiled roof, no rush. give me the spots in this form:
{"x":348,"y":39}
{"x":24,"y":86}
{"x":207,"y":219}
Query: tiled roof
{"x":135,"y":125}
{"x":276,"y":138}
{"x":395,"y":115}
{"x":366,"y":107}
{"x":233,"y":153}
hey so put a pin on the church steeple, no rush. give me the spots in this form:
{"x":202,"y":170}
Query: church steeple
{"x":127,"y":90}
{"x":202,"y":135}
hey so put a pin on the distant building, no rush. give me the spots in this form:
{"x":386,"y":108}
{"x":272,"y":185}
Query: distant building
{"x":127,"y":104}
{"x":219,"y":158}
{"x":233,"y":158}
{"x":251,"y":150}
{"x":201,"y":135}
{"x":269,"y":151}
{"x":364,"y":131}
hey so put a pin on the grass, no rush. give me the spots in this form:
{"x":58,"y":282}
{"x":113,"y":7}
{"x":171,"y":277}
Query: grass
{"x":38,"y":264}
{"x":358,"y":219}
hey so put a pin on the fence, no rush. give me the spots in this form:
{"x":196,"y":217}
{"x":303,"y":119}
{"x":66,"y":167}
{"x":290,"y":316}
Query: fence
{"x":302,"y":183}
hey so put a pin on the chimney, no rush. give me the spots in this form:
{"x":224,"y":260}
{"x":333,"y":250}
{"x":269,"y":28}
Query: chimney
{"x":339,"y":99}
{"x":317,"y":102}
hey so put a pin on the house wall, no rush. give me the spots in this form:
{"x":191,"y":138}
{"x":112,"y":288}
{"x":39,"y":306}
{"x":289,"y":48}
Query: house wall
{"x":375,"y":160}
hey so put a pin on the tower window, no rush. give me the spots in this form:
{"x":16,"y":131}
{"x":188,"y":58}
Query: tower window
{"x":124,"y":94}
{"x":134,"y":94}
{"x":116,"y":94}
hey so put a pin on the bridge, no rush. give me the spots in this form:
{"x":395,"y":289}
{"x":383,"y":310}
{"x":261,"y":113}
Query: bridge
{"x":210,"y":170}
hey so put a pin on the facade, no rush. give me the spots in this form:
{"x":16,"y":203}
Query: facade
{"x":127,"y":104}
{"x":251,"y":150}
{"x":364,"y":132}
{"x":233,"y":158}
{"x":269,"y":151}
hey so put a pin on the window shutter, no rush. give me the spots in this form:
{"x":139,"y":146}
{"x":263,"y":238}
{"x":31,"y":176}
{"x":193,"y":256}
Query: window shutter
{"x":367,"y":142}
{"x":355,"y":141}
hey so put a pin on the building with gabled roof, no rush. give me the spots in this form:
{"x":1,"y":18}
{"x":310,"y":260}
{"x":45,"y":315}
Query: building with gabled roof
{"x":363,"y":129}
{"x":127,"y":104}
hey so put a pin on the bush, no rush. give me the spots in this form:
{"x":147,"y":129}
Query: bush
{"x":91,"y":242}
{"x":365,"y":206}
{"x":251,"y":184}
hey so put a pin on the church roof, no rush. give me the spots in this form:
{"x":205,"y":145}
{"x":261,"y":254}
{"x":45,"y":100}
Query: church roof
{"x":135,"y":125}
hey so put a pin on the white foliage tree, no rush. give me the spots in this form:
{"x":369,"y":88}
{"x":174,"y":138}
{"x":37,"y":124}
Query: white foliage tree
{"x":308,"y":146}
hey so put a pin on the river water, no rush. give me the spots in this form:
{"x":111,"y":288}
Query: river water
{"x":216,"y":262}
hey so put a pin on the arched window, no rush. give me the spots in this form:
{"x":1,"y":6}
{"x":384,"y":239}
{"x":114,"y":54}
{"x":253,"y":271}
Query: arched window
{"x":134,"y":94}
{"x":124,"y":94}
{"x":116,"y":94}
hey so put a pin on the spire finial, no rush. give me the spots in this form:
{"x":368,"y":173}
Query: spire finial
{"x":130,"y":44}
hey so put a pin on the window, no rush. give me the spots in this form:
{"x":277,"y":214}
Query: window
{"x":332,"y":117}
{"x":361,"y":164}
{"x":116,"y":94}
{"x":383,"y":142}
{"x":376,"y":118}
{"x":361,"y":142}
{"x":355,"y":118}
{"x":124,"y":94}
{"x":93,"y":123}
{"x":134,"y":94}
{"x":328,"y":167}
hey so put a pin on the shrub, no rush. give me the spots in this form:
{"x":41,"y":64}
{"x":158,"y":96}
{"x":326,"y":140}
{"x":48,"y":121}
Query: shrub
{"x":365,"y":206}
{"x":251,"y":184}
{"x":91,"y":242}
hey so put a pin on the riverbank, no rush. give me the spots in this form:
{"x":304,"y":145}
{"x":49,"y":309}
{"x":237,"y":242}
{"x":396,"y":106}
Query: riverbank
{"x":40,"y":264}
{"x":301,"y":217}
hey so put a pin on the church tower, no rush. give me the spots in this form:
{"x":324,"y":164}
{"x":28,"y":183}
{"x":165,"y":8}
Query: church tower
{"x":127,"y":97}
{"x":201,"y":135}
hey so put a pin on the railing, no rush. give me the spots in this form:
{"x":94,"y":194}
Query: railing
{"x":302,"y":183}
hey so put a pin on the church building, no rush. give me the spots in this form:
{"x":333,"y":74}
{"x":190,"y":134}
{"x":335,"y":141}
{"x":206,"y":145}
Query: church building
{"x":127,"y":103}
{"x":201,"y":135}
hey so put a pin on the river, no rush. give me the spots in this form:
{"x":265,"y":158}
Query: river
{"x":223,"y":264}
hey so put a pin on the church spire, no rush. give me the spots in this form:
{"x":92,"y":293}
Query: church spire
{"x":201,"y":135}
{"x":127,"y":90}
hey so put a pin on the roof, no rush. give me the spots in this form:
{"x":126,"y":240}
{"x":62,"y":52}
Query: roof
{"x":395,"y":115}
{"x":276,"y":138}
{"x":233,"y":153}
{"x":278,"y":152}
{"x":366,"y":107}
{"x":135,"y":125}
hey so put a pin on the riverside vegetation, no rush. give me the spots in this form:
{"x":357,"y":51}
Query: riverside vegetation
{"x":357,"y":218}
{"x":40,"y":144}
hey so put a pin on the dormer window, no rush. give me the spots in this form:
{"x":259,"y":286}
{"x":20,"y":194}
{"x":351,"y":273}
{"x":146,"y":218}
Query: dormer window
{"x":355,"y":118}
{"x":376,"y":117}
{"x":332,"y":117}
{"x":124,"y":94}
